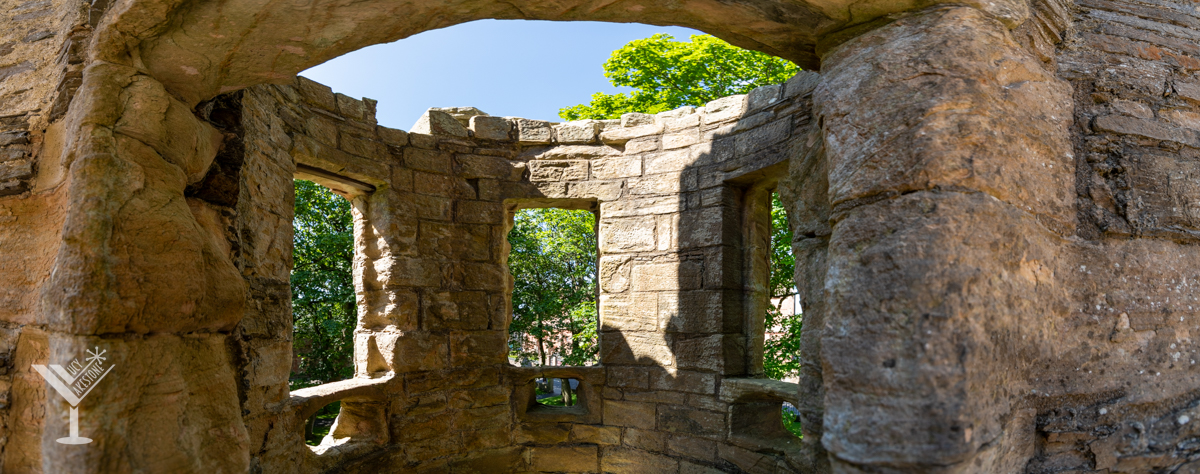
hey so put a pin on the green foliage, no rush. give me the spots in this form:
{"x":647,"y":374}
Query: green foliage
{"x":323,"y":302}
{"x":781,"y":353}
{"x":792,"y":423}
{"x":553,"y":260}
{"x":319,"y":424}
{"x":666,"y":74}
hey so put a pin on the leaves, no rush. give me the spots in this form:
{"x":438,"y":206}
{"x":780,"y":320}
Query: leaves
{"x":781,"y":357}
{"x":666,"y":74}
{"x":323,"y":302}
{"x":553,"y":262}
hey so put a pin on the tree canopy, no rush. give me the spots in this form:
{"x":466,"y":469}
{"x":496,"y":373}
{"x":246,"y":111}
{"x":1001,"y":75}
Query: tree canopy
{"x":666,"y":74}
{"x":323,"y":303}
{"x":553,"y":261}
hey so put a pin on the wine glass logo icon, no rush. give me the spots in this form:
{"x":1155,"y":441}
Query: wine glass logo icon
{"x":74,"y":383}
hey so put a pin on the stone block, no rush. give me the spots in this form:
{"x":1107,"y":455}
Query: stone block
{"x":491,"y":128}
{"x":16,"y":169}
{"x":724,"y":109}
{"x":642,"y":145}
{"x":681,"y":139}
{"x":409,"y":351}
{"x":614,"y":273}
{"x":628,"y":377}
{"x":557,"y":170}
{"x":634,"y":461}
{"x":683,"y":111}
{"x":316,"y":93}
{"x":693,"y":447}
{"x":691,"y":421}
{"x":577,"y":133}
{"x":467,"y":310}
{"x":428,"y":160}
{"x":647,"y":440}
{"x":601,"y":435}
{"x":614,"y":168}
{"x":763,"y":97}
{"x":602,"y":191}
{"x":565,"y":459}
{"x":396,"y":271}
{"x":533,"y":132}
{"x":543,"y":433}
{"x":688,"y":381}
{"x":635,"y":119}
{"x":670,"y":276}
{"x":802,"y":84}
{"x":392,"y":136}
{"x":577,"y":152}
{"x":389,"y":307}
{"x":478,"y":348}
{"x":462,"y":114}
{"x":442,"y":185}
{"x":364,"y":147}
{"x":484,"y":166}
{"x":480,"y":212}
{"x":438,"y":123}
{"x":618,"y":314}
{"x":636,"y":348}
{"x":619,"y":136}
{"x":659,"y":184}
{"x":630,"y":234}
{"x":629,"y":414}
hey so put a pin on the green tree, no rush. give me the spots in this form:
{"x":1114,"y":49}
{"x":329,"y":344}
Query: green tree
{"x":323,"y":301}
{"x":666,"y":74}
{"x":781,"y":358}
{"x":553,"y":260}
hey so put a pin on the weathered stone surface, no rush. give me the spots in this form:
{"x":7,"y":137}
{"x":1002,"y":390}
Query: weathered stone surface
{"x":994,"y":228}
{"x":437,"y":122}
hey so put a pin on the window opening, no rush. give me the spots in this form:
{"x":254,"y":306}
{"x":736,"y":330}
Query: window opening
{"x":557,"y":392}
{"x":318,"y":425}
{"x":784,"y":317}
{"x":324,"y":310}
{"x":553,"y":260}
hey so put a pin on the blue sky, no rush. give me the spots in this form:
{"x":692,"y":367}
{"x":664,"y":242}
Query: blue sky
{"x":506,"y":68}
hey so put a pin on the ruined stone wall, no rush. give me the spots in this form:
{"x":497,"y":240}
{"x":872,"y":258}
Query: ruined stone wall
{"x":992,"y":206}
{"x":433,"y":388}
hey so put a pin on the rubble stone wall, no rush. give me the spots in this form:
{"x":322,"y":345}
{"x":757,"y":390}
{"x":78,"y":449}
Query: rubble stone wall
{"x":432,"y":212}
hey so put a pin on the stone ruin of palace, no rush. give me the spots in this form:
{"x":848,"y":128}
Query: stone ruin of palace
{"x":996,"y":210}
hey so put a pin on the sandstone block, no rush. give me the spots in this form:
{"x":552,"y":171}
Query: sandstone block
{"x":408,"y":351}
{"x":682,"y":275}
{"x":577,"y":133}
{"x":428,"y":160}
{"x":491,"y":128}
{"x":634,"y":461}
{"x":392,"y":136}
{"x":477,"y":348}
{"x":688,"y":381}
{"x":599,"y":190}
{"x":619,"y":136}
{"x":630,"y":414}
{"x":436,"y":122}
{"x":462,"y":114}
{"x":573,"y":459}
{"x":613,"y":168}
{"x":636,"y":119}
{"x":632,"y":234}
{"x":763,"y":97}
{"x":16,"y":169}
{"x":647,"y":440}
{"x":690,"y":421}
{"x":484,"y":166}
{"x":601,"y":435}
{"x":724,"y":109}
{"x":533,"y":132}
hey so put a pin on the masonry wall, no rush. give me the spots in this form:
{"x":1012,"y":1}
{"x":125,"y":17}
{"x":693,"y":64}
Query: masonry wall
{"x":434,"y":294}
{"x":992,"y":203}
